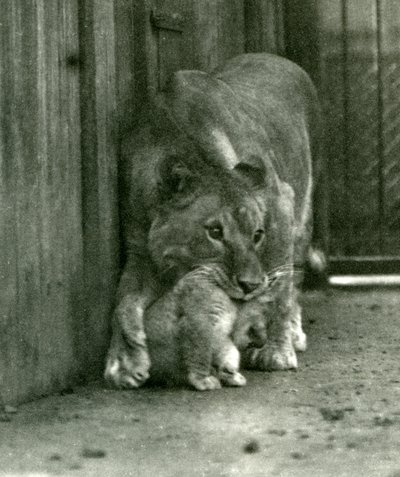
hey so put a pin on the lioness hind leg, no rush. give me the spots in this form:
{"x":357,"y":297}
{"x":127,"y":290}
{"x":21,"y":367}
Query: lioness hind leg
{"x":128,"y":362}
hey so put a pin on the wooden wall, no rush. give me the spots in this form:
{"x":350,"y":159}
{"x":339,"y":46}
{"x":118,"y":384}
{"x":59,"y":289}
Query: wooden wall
{"x":40,"y":215}
{"x":58,"y":233}
{"x":72,"y":75}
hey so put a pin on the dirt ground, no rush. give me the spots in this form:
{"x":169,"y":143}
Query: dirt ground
{"x":338,"y":415}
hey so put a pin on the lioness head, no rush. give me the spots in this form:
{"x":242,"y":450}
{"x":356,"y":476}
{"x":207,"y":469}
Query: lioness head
{"x":210,"y":216}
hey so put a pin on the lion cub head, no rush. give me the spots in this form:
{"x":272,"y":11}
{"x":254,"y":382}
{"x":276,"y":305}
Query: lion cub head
{"x":208,"y":215}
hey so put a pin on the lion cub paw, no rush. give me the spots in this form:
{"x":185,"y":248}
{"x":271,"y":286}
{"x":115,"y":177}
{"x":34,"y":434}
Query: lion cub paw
{"x":125,"y":373}
{"x":229,"y":378}
{"x":276,"y":359}
{"x":203,"y":383}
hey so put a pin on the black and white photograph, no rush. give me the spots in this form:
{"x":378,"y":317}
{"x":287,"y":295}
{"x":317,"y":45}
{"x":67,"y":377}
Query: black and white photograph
{"x":199,"y":238}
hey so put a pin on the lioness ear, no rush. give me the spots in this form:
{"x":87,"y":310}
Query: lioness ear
{"x":174,"y":176}
{"x":253,"y":170}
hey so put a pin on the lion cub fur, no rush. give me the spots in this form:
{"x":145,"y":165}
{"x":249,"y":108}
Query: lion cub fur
{"x":195,"y":331}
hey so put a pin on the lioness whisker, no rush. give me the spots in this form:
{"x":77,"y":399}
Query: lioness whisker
{"x":281,"y":267}
{"x":290,"y":267}
{"x":280,"y":274}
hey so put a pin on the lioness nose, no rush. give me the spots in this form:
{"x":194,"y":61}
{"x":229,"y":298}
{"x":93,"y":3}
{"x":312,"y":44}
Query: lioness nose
{"x":248,"y":286}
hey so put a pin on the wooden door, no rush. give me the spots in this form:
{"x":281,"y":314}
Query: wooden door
{"x":352,"y":49}
{"x":184,"y":34}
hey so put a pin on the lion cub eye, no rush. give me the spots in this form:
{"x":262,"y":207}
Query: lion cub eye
{"x":258,"y":236}
{"x":215,"y":232}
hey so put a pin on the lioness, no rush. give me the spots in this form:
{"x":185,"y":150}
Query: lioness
{"x":218,"y":172}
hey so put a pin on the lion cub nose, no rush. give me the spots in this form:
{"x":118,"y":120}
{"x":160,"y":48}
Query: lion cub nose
{"x":248,"y":286}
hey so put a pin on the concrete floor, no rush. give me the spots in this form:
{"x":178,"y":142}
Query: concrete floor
{"x":338,"y":415}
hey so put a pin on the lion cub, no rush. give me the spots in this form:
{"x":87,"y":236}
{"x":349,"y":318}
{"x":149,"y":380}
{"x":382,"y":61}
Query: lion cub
{"x":195,"y":330}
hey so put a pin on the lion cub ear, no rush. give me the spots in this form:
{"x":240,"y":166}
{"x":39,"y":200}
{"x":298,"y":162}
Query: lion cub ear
{"x":253,"y":170}
{"x":174,"y":177}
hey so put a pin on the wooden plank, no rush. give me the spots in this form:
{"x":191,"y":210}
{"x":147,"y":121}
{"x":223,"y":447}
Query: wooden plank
{"x":172,"y":38}
{"x":390,"y":165}
{"x":362,"y":145}
{"x":64,"y":147}
{"x":99,"y":172}
{"x":50,"y":150}
{"x":8,"y":232}
{"x":230,"y":29}
{"x":280,"y":29}
{"x":264,"y":26}
{"x":125,"y":63}
{"x":170,"y":55}
{"x":313,"y":39}
{"x":60,"y":198}
{"x":24,"y":347}
{"x":302,"y":20}
{"x":331,"y":85}
{"x":205,"y":34}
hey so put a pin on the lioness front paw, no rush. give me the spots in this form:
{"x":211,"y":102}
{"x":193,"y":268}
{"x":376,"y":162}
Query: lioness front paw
{"x":299,"y":340}
{"x":273,"y":359}
{"x":128,"y":372}
{"x":203,"y":383}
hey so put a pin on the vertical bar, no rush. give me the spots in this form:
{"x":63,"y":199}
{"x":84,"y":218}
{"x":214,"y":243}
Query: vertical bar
{"x":348,"y":226}
{"x":362,"y":127}
{"x":390,"y":86}
{"x":8,"y":201}
{"x":263,"y":26}
{"x":381,"y":157}
{"x":279,"y":14}
{"x":331,"y":82}
{"x":230,"y":29}
{"x":125,"y":58}
{"x":99,"y":171}
{"x":302,"y":34}
{"x":205,"y":44}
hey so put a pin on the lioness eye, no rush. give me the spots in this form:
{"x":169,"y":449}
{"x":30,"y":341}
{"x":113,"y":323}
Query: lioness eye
{"x":215,"y":232}
{"x":258,"y":235}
